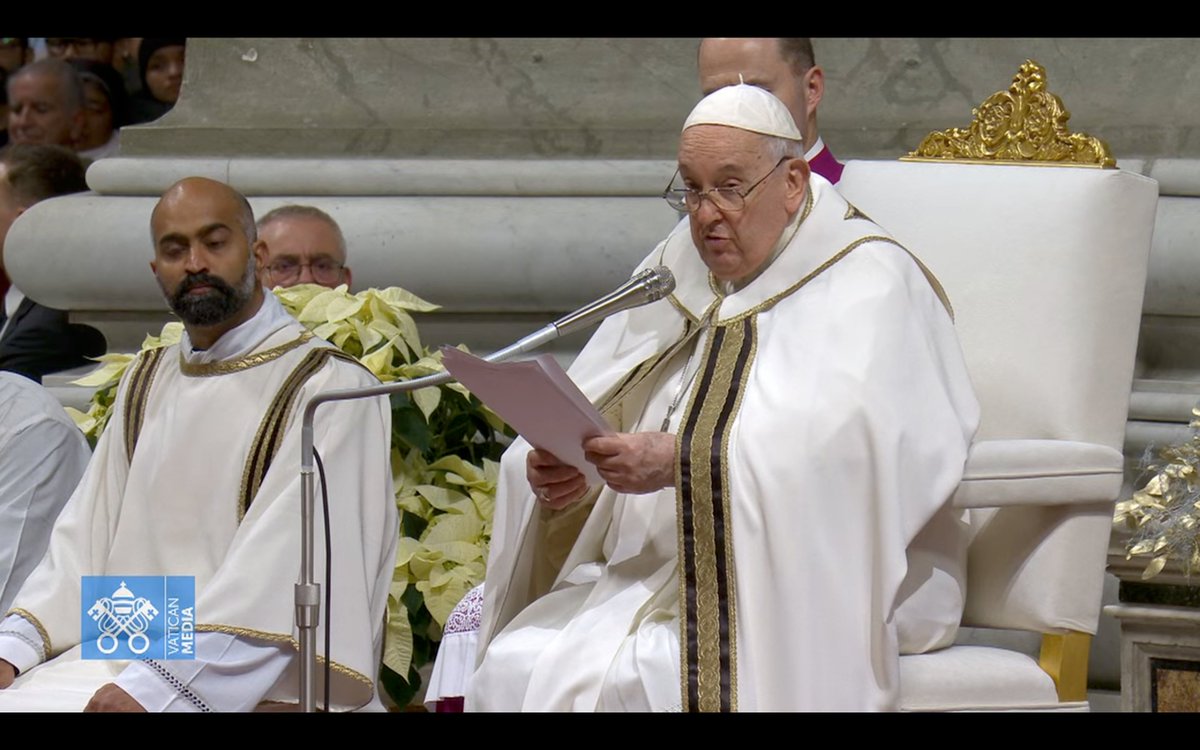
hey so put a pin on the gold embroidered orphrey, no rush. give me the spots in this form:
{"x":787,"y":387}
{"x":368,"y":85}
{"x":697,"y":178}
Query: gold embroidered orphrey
{"x":1024,"y":125}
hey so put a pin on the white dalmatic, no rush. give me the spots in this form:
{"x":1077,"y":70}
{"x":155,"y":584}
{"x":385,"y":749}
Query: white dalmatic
{"x":197,"y":475}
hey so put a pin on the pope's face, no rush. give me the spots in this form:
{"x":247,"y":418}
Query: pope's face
{"x":202,"y":258}
{"x":735,"y":244}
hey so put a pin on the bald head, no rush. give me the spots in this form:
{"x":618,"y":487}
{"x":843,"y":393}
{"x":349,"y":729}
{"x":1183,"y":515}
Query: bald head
{"x":206,"y":258}
{"x":191,"y":190}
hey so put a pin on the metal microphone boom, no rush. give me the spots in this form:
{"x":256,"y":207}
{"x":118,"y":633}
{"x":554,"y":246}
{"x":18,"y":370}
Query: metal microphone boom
{"x":648,"y":286}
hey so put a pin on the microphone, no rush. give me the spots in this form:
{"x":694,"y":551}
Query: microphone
{"x":648,"y":286}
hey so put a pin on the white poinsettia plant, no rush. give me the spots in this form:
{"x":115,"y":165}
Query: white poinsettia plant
{"x":444,"y":453}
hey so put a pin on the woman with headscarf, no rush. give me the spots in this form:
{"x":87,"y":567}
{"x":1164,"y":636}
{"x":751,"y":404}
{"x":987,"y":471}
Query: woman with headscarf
{"x":161,"y":63}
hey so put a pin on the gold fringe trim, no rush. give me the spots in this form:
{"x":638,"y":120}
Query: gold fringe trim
{"x":225,"y":367}
{"x":36,"y":623}
{"x":270,"y":431}
{"x":140,"y":380}
{"x":280,"y":638}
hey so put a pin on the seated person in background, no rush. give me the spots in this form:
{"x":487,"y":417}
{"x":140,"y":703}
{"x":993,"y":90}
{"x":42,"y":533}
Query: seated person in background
{"x":104,"y":109}
{"x":42,"y":456}
{"x":198,"y":475}
{"x":45,"y":104}
{"x":785,"y":426}
{"x":36,"y":340}
{"x":14,"y":52}
{"x":97,"y":48}
{"x":304,"y":246}
{"x":785,"y":67}
{"x":160,"y":61}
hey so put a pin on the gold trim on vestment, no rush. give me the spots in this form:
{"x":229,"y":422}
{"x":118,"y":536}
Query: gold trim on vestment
{"x":808,"y":201}
{"x":679,"y":306}
{"x":37,"y":624}
{"x":772,"y":301}
{"x":137,"y":396}
{"x":225,"y":367}
{"x":708,"y":592}
{"x":852,"y":212}
{"x":269,"y":435}
{"x":612,"y":403}
{"x":731,"y":567}
{"x":1024,"y":125}
{"x":280,"y":638}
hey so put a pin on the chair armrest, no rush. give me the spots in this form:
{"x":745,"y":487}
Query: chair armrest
{"x":1004,"y":473}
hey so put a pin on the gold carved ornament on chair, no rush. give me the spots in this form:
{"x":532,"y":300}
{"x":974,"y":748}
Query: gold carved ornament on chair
{"x":1024,"y":125}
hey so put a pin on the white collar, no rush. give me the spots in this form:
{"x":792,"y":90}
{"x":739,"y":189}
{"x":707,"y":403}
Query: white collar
{"x":817,"y":148}
{"x":243,"y":339}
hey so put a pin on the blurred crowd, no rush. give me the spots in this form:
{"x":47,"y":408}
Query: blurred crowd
{"x":79,"y":92}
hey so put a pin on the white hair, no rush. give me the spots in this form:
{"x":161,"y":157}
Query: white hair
{"x":778,"y":148}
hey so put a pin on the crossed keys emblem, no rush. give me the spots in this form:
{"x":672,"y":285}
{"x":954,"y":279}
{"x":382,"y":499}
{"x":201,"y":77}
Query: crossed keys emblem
{"x":123,"y":613}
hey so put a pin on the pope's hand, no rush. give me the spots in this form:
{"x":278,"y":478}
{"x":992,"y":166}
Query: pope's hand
{"x":637,"y":462}
{"x":556,"y":484}
{"x":110,"y":698}
{"x":8,"y":673}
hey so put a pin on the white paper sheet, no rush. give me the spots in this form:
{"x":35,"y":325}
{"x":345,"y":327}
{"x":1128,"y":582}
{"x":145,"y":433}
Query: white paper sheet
{"x":539,"y":400}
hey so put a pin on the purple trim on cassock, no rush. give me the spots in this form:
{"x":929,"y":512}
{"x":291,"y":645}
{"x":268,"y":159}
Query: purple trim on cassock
{"x":828,"y":167}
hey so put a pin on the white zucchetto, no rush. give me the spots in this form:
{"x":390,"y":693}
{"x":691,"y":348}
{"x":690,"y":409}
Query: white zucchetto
{"x":745,"y":107}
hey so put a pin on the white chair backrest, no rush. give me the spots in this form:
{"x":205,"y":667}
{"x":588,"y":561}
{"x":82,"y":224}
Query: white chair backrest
{"x":1045,"y":267}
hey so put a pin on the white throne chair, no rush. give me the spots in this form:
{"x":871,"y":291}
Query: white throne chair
{"x":1045,"y":267}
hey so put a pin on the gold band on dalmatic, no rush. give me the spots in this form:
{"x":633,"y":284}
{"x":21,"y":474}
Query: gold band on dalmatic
{"x":140,"y":379}
{"x":230,"y":366}
{"x":274,"y":423}
{"x":708,"y":618}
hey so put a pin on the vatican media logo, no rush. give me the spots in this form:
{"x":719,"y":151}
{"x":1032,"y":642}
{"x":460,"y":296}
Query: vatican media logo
{"x":138,"y":617}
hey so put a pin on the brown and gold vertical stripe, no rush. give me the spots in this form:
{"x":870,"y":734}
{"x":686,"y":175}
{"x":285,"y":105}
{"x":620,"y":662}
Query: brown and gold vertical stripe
{"x":141,"y":377}
{"x":708,"y":622}
{"x":274,"y":423}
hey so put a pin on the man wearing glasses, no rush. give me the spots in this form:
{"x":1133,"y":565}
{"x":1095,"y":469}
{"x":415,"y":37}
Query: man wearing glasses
{"x":785,"y":425}
{"x":99,"y":49}
{"x":304,"y":246}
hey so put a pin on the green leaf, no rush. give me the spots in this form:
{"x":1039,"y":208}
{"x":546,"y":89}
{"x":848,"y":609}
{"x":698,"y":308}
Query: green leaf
{"x":398,"y":641}
{"x":412,"y":525}
{"x":399,"y":689}
{"x":409,"y":425}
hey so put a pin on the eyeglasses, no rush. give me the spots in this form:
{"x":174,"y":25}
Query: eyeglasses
{"x":286,"y":271}
{"x":58,"y":46}
{"x":724,"y":198}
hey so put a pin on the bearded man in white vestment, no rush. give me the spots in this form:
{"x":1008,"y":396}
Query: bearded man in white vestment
{"x":197,"y":475}
{"x":788,"y":424}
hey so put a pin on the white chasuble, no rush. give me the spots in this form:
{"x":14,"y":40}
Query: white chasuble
{"x":210,"y":488}
{"x":824,"y":423}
